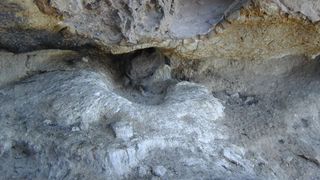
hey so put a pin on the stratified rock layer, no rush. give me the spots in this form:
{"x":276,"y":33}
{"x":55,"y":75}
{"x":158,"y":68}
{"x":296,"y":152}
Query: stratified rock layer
{"x":189,"y":29}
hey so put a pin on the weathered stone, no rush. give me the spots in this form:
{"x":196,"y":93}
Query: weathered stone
{"x":14,"y":67}
{"x":225,"y":29}
{"x":228,"y":91}
{"x":311,"y":9}
{"x":63,"y":105}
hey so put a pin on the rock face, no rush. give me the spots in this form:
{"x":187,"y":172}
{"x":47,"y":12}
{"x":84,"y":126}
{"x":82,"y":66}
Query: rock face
{"x":150,"y":89}
{"x":308,"y":8}
{"x":190,"y":29}
{"x":60,"y":110}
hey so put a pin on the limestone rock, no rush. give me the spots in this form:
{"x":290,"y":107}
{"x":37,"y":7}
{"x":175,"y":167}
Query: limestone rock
{"x":310,"y":9}
{"x":233,"y":29}
{"x":73,"y":113}
{"x":209,"y":89}
{"x":75,"y":119}
{"x":14,"y":67}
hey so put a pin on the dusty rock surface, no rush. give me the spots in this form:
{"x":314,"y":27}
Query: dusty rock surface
{"x":81,"y":119}
{"x":159,"y":89}
{"x":76,"y":118}
{"x":232,"y":29}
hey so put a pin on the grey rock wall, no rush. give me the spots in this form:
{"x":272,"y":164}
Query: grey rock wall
{"x":159,"y":89}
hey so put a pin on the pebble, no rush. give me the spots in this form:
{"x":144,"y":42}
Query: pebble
{"x":122,"y":130}
{"x":159,"y":171}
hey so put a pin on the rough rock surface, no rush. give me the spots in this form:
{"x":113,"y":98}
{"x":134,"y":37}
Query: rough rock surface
{"x":309,"y":8}
{"x":228,"y":90}
{"x":232,"y":29}
{"x":80,"y":119}
{"x":59,"y":121}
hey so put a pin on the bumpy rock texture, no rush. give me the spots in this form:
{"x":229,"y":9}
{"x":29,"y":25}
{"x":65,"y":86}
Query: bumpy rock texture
{"x":159,"y":89}
{"x":235,"y":29}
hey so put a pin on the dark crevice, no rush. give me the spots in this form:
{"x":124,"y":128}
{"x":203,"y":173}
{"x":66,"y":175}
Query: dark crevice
{"x":309,"y":159}
{"x":144,"y":75}
{"x":21,"y":41}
